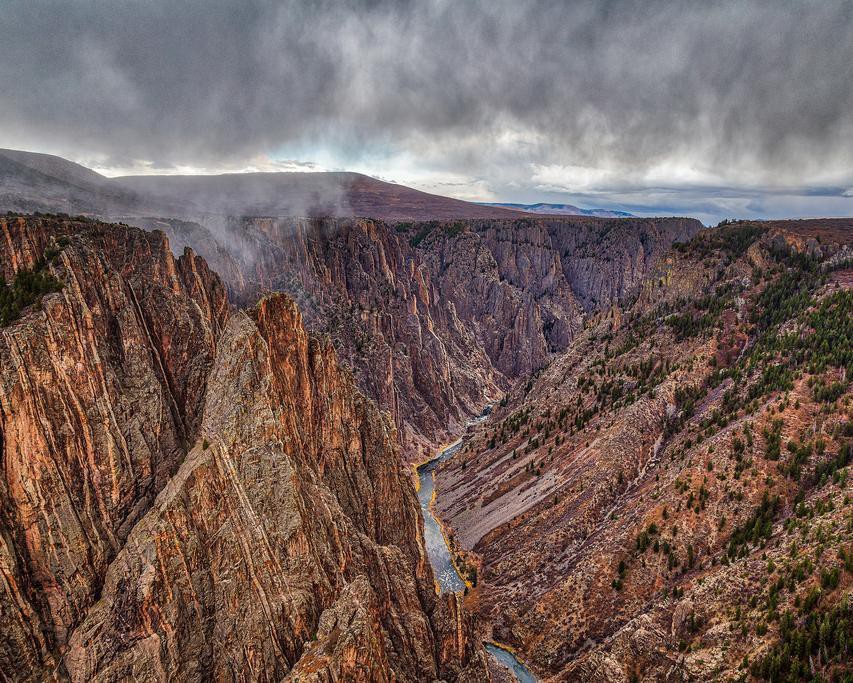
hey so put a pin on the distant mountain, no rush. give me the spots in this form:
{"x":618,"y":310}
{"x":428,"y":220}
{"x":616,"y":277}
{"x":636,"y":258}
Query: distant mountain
{"x":560,"y":210}
{"x":42,"y":182}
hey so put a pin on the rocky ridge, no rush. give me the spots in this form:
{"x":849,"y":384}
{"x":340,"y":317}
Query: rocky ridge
{"x":669,"y":498}
{"x":437,"y":318}
{"x":175,"y":472}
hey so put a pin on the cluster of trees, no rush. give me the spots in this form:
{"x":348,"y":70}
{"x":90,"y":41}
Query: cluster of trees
{"x":758,"y":527}
{"x":706,"y":314}
{"x":28,"y":287}
{"x":834,"y":467}
{"x":686,"y":398}
{"x":773,"y":440}
{"x":425,"y":229}
{"x":647,"y":538}
{"x":814,"y":647}
{"x":731,"y":237}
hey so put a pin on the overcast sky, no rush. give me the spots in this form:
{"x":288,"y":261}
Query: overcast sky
{"x":711,"y":109}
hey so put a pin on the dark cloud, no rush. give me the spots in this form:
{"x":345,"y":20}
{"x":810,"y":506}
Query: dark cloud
{"x":583,"y":95}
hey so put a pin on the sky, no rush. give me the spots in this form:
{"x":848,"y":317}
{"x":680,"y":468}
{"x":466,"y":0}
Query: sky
{"x":711,"y":109}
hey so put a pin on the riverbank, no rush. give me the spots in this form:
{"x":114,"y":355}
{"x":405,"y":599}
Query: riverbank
{"x":438,"y":547}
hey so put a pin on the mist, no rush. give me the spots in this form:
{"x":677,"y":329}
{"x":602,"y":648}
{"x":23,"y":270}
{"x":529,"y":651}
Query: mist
{"x":695,"y":107}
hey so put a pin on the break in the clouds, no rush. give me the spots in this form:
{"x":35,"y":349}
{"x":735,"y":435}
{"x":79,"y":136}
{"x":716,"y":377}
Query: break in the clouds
{"x":709,"y":108}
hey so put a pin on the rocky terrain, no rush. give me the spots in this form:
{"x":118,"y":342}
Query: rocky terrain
{"x":192,"y":492}
{"x":437,"y":318}
{"x":668,"y":500}
{"x":206,"y":428}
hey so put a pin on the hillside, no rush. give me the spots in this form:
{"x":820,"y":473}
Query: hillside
{"x":669,"y":499}
{"x":41,"y":182}
{"x":32,"y":182}
{"x":304,"y":194}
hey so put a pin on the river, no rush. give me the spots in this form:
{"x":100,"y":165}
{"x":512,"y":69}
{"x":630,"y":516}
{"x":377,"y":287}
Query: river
{"x":436,"y":545}
{"x":522,"y":673}
{"x":439,"y":554}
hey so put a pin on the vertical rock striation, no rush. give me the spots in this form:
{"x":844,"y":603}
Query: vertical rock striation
{"x":100,"y":390}
{"x":190,"y":493}
{"x":436,"y":318}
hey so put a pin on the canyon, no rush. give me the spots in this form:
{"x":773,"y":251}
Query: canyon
{"x":212,"y":414}
{"x":665,"y":499}
{"x":436,"y":319}
{"x":177,"y":472}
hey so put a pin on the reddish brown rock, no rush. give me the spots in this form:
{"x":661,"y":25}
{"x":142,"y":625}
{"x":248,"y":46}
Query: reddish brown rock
{"x":99,"y":392}
{"x":555,"y":496}
{"x":194,"y":499}
{"x":436,"y":318}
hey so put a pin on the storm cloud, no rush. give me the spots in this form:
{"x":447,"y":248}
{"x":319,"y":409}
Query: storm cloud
{"x":646,"y":105}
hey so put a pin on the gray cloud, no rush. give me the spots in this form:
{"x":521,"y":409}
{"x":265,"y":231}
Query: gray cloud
{"x":571,"y":97}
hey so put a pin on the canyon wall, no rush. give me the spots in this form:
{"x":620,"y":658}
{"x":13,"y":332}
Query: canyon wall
{"x":437,"y":318}
{"x":194,"y":492}
{"x":671,"y":492}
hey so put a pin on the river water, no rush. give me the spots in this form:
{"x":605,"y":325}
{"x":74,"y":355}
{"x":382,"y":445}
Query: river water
{"x":505,"y":657}
{"x":436,"y":547}
{"x":439,"y":554}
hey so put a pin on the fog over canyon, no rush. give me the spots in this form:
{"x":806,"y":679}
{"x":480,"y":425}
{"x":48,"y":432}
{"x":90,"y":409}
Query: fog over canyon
{"x":431,"y":341}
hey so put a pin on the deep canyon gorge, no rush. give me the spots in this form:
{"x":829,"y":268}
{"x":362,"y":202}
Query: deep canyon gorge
{"x":226,"y":428}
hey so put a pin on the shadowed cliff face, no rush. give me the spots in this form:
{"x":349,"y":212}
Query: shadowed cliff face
{"x":195,"y":493}
{"x":100,"y":391}
{"x":436,"y":319}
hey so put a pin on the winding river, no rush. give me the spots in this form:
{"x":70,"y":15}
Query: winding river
{"x":436,"y":545}
{"x":441,"y":559}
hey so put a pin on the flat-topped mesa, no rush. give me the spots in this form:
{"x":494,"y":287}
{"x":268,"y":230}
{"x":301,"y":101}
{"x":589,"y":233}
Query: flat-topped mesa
{"x":194,"y":493}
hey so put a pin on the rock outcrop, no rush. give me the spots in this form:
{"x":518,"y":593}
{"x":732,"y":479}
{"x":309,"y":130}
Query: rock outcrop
{"x":627,"y":510}
{"x":100,"y":392}
{"x":195,"y":493}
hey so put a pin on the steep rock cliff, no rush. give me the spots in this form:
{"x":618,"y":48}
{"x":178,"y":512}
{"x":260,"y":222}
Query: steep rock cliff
{"x":628,"y":512}
{"x":100,"y":390}
{"x":194,"y":493}
{"x":436,"y":318}
{"x":287,"y":543}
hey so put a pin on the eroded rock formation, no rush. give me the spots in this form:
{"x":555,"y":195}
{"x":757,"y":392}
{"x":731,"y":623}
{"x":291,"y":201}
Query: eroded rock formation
{"x":195,"y":493}
{"x":436,"y":318}
{"x":628,"y":512}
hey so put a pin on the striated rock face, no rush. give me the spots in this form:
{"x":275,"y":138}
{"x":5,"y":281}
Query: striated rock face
{"x":99,"y":393}
{"x":435,"y":319}
{"x":193,"y":496}
{"x":367,"y":288}
{"x":525,"y":286}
